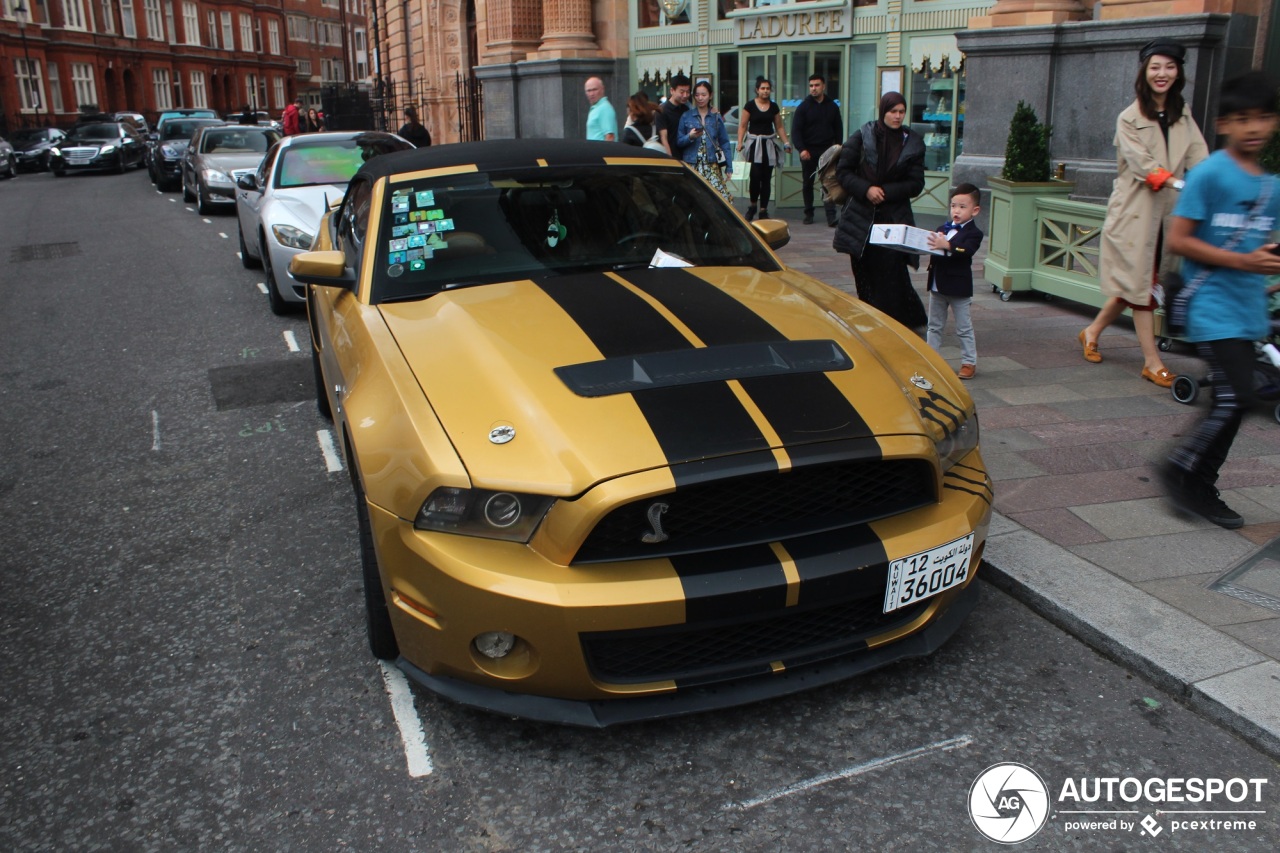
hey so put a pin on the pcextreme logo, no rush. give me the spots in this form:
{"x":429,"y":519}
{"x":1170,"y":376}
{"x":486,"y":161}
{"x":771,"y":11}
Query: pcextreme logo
{"x":1009,"y":803}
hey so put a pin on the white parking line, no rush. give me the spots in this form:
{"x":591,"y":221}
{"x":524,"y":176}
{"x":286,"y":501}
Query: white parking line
{"x":855,"y":770}
{"x":262,"y":287}
{"x":155,"y":430}
{"x":220,"y":234}
{"x":206,"y":221}
{"x":291,"y":341}
{"x":192,"y":209}
{"x":332,"y":461}
{"x":411,"y":733}
{"x":174,"y":200}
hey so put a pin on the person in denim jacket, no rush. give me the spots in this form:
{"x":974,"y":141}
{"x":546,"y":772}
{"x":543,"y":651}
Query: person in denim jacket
{"x":701,"y":137}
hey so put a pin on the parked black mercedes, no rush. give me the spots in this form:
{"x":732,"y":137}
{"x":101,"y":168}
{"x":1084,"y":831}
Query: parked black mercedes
{"x":108,"y":145}
{"x":32,"y":146}
{"x":169,"y":144}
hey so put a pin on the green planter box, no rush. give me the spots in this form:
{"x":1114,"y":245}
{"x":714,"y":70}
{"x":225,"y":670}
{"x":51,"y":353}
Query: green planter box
{"x":1014,"y":227}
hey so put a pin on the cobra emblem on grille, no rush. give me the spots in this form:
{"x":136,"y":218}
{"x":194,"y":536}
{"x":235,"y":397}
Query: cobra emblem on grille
{"x":655,"y":521}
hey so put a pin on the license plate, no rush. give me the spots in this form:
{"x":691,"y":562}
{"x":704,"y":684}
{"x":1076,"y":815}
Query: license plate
{"x":928,"y":573}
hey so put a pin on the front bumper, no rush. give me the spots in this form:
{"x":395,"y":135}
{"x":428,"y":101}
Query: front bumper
{"x":168,"y":170}
{"x":97,"y":164}
{"x":37,"y":161}
{"x":616,"y":642}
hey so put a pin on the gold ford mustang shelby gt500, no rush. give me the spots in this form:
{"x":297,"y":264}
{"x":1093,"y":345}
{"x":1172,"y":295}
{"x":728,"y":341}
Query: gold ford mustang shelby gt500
{"x":612,"y":460}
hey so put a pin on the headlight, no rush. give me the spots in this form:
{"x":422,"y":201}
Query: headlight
{"x":478,"y":512}
{"x":107,"y":149}
{"x":170,"y":152}
{"x":958,"y":444}
{"x":213,"y":176}
{"x":294,"y":238}
{"x":55,"y":152}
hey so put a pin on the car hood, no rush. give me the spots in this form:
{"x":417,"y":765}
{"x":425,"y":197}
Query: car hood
{"x":302,"y":206}
{"x":229,"y":162}
{"x":487,"y":358}
{"x":176,"y":145}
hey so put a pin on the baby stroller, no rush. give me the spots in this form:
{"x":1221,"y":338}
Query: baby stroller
{"x":1266,"y":370}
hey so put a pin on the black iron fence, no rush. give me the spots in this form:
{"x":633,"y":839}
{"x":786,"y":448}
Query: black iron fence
{"x":348,"y":106}
{"x":470,"y":103}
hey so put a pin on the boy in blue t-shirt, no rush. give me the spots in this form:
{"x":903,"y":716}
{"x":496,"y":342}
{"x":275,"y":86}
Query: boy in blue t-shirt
{"x":1222,"y":226}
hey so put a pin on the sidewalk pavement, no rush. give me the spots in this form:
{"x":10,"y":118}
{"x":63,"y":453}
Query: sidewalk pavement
{"x":1081,"y":533}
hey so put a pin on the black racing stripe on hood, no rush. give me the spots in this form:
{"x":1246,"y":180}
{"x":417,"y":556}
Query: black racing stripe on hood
{"x":731,"y":583}
{"x":689,"y":422}
{"x":800,"y":408}
{"x":840,"y":565}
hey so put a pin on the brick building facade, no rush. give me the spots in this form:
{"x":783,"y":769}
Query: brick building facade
{"x":57,"y":56}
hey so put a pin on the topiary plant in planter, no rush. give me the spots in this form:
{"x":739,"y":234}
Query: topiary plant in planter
{"x":1012,"y":219}
{"x":1026,"y":153}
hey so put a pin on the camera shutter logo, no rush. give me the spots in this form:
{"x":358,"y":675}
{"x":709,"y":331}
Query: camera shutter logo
{"x":1008,"y":802}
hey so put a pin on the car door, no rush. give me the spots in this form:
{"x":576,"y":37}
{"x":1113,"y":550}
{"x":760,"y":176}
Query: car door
{"x":249,"y":202}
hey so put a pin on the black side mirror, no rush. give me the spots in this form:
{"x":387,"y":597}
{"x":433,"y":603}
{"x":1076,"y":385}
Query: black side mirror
{"x":248,"y":182}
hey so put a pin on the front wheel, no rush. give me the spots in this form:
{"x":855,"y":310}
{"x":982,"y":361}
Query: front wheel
{"x":246,"y":261}
{"x":1006,"y":295}
{"x":1185,"y":389}
{"x":382,"y":638}
{"x":279,"y":306}
{"x":186,"y":193}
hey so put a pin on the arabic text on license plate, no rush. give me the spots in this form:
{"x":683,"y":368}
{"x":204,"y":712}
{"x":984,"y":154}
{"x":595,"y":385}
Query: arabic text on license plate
{"x":928,"y":573}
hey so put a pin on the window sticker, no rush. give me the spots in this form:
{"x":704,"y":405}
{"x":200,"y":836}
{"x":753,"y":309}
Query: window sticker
{"x":417,"y":265}
{"x":425,"y":199}
{"x":398,"y":245}
{"x":418,"y":216}
{"x":403,"y":230}
{"x":396,"y":270}
{"x":444,"y":225}
{"x":400,"y":218}
{"x":416,"y":240}
{"x":399,"y":204}
{"x":425,"y":228}
{"x":397,"y":258}
{"x":435,"y":214}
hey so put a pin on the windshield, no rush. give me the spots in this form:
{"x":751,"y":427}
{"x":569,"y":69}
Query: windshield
{"x":27,"y":136}
{"x":96,"y":132}
{"x":183,"y":129}
{"x":237,"y":141}
{"x":332,"y":161}
{"x":480,"y":228}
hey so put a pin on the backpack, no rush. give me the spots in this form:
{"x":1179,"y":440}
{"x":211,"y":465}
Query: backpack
{"x":825,"y":176}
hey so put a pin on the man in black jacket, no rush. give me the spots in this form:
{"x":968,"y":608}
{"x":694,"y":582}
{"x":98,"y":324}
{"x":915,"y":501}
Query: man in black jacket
{"x":815,"y":127}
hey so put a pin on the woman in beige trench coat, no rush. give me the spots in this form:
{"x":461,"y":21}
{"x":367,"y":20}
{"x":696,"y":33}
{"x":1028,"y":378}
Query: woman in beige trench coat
{"x":1156,"y":142}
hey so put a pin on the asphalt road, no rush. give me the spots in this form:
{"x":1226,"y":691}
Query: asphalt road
{"x":184,"y":665}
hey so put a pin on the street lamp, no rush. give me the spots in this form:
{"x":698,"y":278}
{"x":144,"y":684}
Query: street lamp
{"x":32,"y":92}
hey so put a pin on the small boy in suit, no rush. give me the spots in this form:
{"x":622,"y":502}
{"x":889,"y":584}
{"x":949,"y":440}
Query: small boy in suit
{"x":951,"y":276}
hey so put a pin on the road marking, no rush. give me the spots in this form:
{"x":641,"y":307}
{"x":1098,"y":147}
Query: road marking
{"x":262,"y":287}
{"x":155,"y":430}
{"x":332,"y":461}
{"x":291,"y":341}
{"x":206,"y":221}
{"x":192,"y":209}
{"x":174,"y":200}
{"x":411,"y":733}
{"x":850,"y":772}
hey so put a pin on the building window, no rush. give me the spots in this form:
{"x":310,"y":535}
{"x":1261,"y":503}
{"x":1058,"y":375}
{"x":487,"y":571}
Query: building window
{"x":164,"y":95}
{"x":108,"y":21}
{"x":246,"y":33}
{"x":83,"y":83}
{"x":168,"y":22}
{"x":277,"y":92}
{"x":213,"y":29}
{"x":27,"y":76}
{"x":55,"y":89}
{"x":297,"y":28}
{"x":361,"y":55}
{"x":228,"y":32}
{"x":73,"y":14}
{"x":199,"y":98}
{"x":652,"y":15}
{"x":155,"y":23}
{"x":190,"y":23}
{"x":127,"y":25}
{"x":273,"y":36}
{"x":251,"y":90}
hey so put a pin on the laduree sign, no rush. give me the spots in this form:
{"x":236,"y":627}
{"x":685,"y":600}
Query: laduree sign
{"x":792,"y":22}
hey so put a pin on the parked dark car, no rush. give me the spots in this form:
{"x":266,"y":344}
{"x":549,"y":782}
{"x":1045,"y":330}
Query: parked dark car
{"x":168,"y":146}
{"x":139,"y":121}
{"x":32,"y":146}
{"x":105,"y":146}
{"x":8,"y":160}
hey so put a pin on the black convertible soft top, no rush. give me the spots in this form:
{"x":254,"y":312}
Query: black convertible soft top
{"x":506,"y":154}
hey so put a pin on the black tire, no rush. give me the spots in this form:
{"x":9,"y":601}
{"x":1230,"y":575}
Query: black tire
{"x":59,"y":173}
{"x":1185,"y":389}
{"x":1276,"y":413}
{"x":186,"y":193}
{"x":278,"y":306}
{"x":246,"y":261}
{"x":382,"y":638}
{"x":202,"y":207}
{"x":13,"y":167}
{"x":120,"y":165}
{"x":322,"y":391}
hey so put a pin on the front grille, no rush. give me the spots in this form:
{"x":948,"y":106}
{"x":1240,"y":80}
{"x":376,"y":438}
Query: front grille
{"x":699,"y":655}
{"x":79,"y":153}
{"x":763,"y":507}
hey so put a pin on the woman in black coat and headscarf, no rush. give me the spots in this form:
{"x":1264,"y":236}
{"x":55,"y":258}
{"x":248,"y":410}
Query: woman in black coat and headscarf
{"x":881,"y":167}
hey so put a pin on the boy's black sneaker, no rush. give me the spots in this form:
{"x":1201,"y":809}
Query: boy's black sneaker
{"x":1191,"y":495}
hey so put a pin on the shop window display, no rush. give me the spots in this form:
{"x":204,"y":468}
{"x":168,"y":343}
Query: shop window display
{"x":938,"y":111}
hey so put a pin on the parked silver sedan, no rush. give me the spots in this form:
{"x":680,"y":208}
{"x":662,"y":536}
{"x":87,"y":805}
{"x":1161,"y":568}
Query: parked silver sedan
{"x":278,"y":207}
{"x":217,"y":157}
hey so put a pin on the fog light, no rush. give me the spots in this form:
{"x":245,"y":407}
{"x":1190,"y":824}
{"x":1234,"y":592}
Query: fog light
{"x":495,"y":644}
